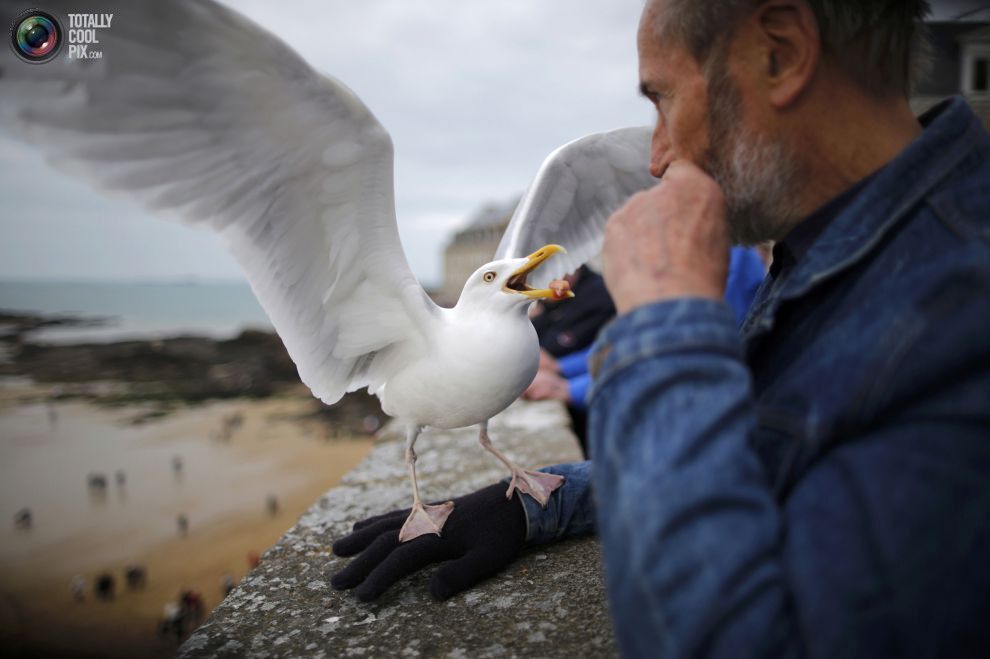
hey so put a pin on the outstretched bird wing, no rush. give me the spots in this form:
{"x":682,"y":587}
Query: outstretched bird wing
{"x":196,"y":111}
{"x":578,"y":186}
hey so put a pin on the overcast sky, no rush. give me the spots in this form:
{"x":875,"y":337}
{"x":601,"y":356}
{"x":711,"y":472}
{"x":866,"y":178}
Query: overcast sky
{"x":474,"y":94}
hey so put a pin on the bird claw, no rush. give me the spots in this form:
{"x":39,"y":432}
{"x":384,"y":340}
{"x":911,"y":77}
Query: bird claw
{"x":536,"y":484}
{"x":425,"y":519}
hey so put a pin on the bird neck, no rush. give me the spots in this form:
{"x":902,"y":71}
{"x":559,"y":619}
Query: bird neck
{"x":474,"y":307}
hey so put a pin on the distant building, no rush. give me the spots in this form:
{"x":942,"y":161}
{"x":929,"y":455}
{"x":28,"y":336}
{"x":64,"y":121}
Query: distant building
{"x":472,"y":247}
{"x":961,"y":65}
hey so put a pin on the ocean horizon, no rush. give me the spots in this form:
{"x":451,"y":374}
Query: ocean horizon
{"x":153,"y":309}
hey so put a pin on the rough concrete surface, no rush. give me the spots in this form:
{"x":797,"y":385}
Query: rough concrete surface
{"x":549,"y":603}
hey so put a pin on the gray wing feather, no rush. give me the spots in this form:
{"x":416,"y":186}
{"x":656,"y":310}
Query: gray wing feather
{"x":576,"y":189}
{"x":197,"y":112}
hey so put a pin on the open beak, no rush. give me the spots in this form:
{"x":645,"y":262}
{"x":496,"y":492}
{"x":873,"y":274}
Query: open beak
{"x":517,"y":282}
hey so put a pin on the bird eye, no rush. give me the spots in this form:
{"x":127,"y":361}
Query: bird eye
{"x":489,"y":277}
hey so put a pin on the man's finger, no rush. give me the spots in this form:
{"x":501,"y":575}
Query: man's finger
{"x":680,"y":163}
{"x":357,"y":541}
{"x":407,"y":558}
{"x":464,"y":572}
{"x":358,"y":569}
{"x":684,"y":168}
{"x":395,"y":515}
{"x":369,"y":530}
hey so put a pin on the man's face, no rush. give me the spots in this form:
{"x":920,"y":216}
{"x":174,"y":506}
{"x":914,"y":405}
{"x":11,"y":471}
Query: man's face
{"x":673,"y":81}
{"x":701,"y":117}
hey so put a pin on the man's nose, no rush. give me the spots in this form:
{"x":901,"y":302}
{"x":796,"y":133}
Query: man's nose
{"x":659,"y":151}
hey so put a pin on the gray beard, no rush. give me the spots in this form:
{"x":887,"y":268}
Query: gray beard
{"x":759,"y":177}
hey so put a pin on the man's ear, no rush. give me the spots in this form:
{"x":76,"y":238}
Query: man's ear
{"x":788,"y":34}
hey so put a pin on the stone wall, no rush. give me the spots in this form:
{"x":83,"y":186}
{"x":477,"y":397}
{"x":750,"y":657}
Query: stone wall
{"x":549,"y":603}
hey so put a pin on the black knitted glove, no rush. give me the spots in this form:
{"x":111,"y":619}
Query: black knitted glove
{"x":483,"y":534}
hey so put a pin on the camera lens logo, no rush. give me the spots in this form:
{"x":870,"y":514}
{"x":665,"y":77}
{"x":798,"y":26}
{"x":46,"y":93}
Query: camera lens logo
{"x":36,"y":36}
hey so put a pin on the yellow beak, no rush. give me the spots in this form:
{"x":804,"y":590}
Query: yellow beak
{"x":517,"y":282}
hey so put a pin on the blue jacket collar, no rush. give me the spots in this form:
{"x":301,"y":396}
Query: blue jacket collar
{"x":951,"y":131}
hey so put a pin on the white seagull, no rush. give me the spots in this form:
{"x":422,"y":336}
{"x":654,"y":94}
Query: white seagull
{"x":195,"y":111}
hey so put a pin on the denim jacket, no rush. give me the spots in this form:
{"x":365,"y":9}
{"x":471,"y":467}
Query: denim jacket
{"x":819,"y":485}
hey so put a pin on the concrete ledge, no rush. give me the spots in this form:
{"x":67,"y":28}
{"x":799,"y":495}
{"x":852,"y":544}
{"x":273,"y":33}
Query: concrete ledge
{"x":549,"y":603}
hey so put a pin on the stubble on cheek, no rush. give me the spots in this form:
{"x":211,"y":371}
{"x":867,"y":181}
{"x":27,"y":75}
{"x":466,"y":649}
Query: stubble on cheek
{"x":759,"y":176}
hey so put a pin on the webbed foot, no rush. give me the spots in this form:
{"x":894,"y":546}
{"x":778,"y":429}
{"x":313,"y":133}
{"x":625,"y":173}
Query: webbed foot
{"x":425,"y":519}
{"x":536,"y":484}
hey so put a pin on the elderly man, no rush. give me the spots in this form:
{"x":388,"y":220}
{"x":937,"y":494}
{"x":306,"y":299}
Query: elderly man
{"x":819,"y":484}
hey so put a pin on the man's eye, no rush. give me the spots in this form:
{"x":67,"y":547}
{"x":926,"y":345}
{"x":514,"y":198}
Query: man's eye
{"x":661,"y":114}
{"x":659,"y":102}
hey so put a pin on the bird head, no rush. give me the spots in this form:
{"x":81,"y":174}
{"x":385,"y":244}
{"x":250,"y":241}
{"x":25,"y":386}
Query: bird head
{"x":501,"y":285}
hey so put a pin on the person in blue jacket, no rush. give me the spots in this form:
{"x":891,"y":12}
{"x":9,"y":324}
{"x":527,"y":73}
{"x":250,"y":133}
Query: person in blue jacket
{"x":565,"y":330}
{"x":565,"y":340}
{"x":817,"y":482}
{"x":564,"y":326}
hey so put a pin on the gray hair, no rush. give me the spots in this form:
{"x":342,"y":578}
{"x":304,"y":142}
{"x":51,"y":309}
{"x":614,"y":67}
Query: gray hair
{"x":880,"y":44}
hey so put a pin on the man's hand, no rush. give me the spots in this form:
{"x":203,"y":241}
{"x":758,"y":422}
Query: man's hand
{"x":483,"y":534}
{"x":669,"y":241}
{"x":548,"y":362}
{"x":548,"y":386}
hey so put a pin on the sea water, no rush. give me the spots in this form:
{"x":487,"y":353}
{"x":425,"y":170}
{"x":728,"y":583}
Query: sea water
{"x":137,"y":310}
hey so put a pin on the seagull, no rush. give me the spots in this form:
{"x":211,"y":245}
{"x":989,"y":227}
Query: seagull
{"x":238,"y":133}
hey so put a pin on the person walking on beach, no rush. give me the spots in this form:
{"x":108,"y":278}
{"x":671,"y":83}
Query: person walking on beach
{"x":105,"y":586}
{"x":78,"y":588}
{"x":173,"y":621}
{"x":271,"y":504}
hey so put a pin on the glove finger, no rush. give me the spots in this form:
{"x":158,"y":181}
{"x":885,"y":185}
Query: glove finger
{"x":464,"y":572}
{"x":409,"y":557}
{"x":395,"y":515}
{"x":361,"y":538}
{"x":358,"y":569}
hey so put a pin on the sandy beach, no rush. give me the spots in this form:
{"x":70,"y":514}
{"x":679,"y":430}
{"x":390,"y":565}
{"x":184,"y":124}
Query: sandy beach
{"x":47,"y":452}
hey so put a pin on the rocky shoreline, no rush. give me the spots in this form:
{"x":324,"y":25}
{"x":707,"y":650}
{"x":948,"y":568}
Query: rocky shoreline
{"x":167,"y":372}
{"x":15,"y":325}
